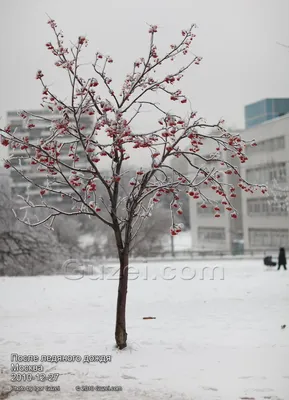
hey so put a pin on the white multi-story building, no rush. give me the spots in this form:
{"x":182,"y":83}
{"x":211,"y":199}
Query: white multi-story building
{"x":266,"y":217}
{"x":5,"y":181}
{"x":210,"y":233}
{"x":20,"y":186}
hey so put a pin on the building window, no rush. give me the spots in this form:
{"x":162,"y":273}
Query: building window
{"x":267,"y":173}
{"x":257,"y":208}
{"x":266,"y":207}
{"x":282,"y":173}
{"x":268,"y":238}
{"x":274,"y":144}
{"x":265,"y":238}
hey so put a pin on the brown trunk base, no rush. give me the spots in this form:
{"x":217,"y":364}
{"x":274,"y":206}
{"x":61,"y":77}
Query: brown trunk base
{"x":120,"y":337}
{"x":120,"y":325}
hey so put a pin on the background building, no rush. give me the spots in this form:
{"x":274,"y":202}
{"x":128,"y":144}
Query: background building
{"x":208,"y":232}
{"x":265,"y":110}
{"x":265,"y":218}
{"x":21,"y":186}
{"x":5,"y":181}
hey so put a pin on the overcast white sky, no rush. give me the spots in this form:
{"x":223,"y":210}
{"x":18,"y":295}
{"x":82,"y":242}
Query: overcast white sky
{"x":242,"y":62}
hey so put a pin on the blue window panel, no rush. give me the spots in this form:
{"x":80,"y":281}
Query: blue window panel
{"x":265,"y":110}
{"x":280,"y":106}
{"x":269,"y":106}
{"x":255,"y":109}
{"x":256,"y":121}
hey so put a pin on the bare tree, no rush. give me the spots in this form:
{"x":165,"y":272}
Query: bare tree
{"x":278,"y":195}
{"x":150,"y":240}
{"x":24,"y":250}
{"x":153,"y":235}
{"x":116,"y":134}
{"x":67,"y":234}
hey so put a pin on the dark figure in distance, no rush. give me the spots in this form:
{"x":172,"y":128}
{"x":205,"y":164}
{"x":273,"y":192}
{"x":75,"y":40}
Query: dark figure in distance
{"x":282,"y":258}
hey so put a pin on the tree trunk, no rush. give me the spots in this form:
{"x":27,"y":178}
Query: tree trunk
{"x":120,"y":326}
{"x":172,"y":246}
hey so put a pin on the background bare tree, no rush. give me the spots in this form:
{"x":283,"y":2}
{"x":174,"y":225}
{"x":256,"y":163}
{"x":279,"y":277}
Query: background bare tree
{"x":24,"y":250}
{"x":152,"y":237}
{"x":67,"y":233}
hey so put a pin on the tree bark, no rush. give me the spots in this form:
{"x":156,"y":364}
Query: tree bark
{"x":120,"y":326}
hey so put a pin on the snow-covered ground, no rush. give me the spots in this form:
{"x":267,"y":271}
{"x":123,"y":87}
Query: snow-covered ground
{"x":212,"y":339}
